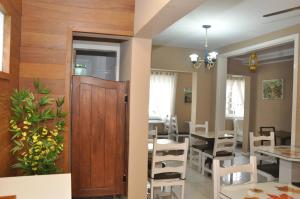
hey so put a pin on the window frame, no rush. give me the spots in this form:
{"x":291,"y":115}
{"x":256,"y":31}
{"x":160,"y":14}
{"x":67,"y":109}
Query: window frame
{"x":5,"y":71}
{"x":233,"y":116}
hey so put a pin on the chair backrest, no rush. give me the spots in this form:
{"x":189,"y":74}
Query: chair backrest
{"x":256,"y":144}
{"x":174,"y":157}
{"x":174,"y":124}
{"x":266,"y":130}
{"x":152,"y":133}
{"x":219,"y":172}
{"x":167,"y":125}
{"x":224,"y":141}
{"x":201,"y":127}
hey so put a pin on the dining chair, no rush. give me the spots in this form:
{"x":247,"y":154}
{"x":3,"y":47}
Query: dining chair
{"x":174,"y":130}
{"x":266,"y":130}
{"x":197,"y":146}
{"x":166,"y":130}
{"x":224,"y":149}
{"x":168,"y":167}
{"x":271,"y":169}
{"x":152,"y":133}
{"x":219,"y":172}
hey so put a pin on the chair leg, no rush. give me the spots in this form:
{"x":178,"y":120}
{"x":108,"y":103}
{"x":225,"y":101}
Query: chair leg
{"x":203,"y":164}
{"x":151,"y":192}
{"x":191,"y":156}
{"x":200,"y":162}
{"x":182,"y":191}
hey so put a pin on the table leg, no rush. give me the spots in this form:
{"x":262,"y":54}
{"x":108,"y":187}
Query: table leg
{"x":285,"y":171}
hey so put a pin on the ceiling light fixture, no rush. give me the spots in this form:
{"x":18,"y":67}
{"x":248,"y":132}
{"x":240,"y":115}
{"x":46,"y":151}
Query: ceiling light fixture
{"x":253,"y":61}
{"x":209,"y":58}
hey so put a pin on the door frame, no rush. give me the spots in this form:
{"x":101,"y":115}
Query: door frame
{"x":194,"y":90}
{"x":221,"y":74}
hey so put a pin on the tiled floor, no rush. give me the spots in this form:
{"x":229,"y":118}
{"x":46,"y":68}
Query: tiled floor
{"x":201,"y":187}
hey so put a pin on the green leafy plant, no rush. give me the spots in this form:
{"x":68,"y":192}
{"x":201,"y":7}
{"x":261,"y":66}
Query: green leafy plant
{"x":37,"y":125}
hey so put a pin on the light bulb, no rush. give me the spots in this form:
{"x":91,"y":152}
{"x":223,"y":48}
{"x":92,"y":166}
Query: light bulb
{"x":194,"y":58}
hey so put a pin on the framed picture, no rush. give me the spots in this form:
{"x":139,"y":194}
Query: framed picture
{"x":272,"y":89}
{"x":187,"y":95}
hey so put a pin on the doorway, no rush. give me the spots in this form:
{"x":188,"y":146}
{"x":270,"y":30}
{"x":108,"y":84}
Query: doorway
{"x":99,"y":117}
{"x":222,"y":76}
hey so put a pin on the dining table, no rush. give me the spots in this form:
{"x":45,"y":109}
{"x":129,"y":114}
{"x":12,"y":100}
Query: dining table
{"x":281,"y":137}
{"x":159,"y":141}
{"x":209,"y":137}
{"x":267,"y":190}
{"x":153,"y":123}
{"x":289,"y":158}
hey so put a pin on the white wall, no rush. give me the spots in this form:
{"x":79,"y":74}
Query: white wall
{"x":37,"y":187}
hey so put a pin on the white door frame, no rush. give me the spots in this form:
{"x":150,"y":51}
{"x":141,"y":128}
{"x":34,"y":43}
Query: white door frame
{"x":222,"y":76}
{"x":194,"y":89}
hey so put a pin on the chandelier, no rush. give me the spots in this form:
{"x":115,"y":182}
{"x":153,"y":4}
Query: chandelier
{"x":209,"y":60}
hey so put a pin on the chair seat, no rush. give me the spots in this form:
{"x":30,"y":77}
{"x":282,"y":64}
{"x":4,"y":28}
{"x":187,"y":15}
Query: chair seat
{"x":165,"y":176}
{"x":183,"y":133}
{"x":219,"y":153}
{"x":201,"y":147}
{"x":297,"y":184}
{"x":162,"y":133}
{"x":272,"y":169}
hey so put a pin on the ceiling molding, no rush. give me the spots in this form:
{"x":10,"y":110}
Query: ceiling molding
{"x":270,"y":57}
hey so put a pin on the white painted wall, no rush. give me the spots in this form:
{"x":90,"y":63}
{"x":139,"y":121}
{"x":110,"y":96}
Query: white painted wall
{"x":37,"y":187}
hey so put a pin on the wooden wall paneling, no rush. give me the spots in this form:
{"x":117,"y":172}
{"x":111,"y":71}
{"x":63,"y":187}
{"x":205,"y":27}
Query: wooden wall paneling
{"x":8,"y":82}
{"x":47,"y":27}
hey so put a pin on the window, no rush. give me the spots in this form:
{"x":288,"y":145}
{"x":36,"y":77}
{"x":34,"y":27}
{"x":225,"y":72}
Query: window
{"x":162,"y":94}
{"x":5,"y":36}
{"x":235,"y":96}
{"x":2,"y":16}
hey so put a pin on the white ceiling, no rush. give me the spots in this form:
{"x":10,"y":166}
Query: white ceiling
{"x":232,"y":21}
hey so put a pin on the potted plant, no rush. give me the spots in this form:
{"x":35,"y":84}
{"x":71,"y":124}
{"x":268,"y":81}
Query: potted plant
{"x":37,"y":126}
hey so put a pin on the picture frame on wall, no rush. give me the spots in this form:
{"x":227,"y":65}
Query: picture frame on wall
{"x":272,"y":89}
{"x":187,"y":95}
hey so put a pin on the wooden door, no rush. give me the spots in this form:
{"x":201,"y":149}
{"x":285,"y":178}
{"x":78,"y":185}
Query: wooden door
{"x":98,"y":137}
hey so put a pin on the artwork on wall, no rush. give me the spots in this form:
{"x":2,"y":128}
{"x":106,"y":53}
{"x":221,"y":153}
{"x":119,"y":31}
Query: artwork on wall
{"x":187,"y":95}
{"x":272,"y":89}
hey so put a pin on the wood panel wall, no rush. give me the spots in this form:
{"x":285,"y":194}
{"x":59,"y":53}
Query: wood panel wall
{"x":46,"y":27}
{"x":8,"y":82}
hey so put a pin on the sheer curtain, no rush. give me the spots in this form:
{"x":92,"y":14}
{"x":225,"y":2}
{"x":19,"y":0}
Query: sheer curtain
{"x":162,"y":94}
{"x":235,"y":96}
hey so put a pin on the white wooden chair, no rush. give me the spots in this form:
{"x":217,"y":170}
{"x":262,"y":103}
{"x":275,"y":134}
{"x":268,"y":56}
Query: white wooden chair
{"x":152,"y":133}
{"x":174,"y":130}
{"x":167,"y":129}
{"x":224,"y":149}
{"x":268,"y":166}
{"x":223,"y":171}
{"x":168,"y":166}
{"x":196,"y":145}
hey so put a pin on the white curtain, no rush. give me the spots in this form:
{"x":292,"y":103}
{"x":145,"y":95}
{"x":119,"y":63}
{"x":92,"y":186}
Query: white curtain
{"x":235,"y":96}
{"x":162,"y":94}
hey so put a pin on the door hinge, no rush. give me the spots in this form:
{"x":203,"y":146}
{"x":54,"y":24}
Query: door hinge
{"x":124,"y":178}
{"x":126,"y":99}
